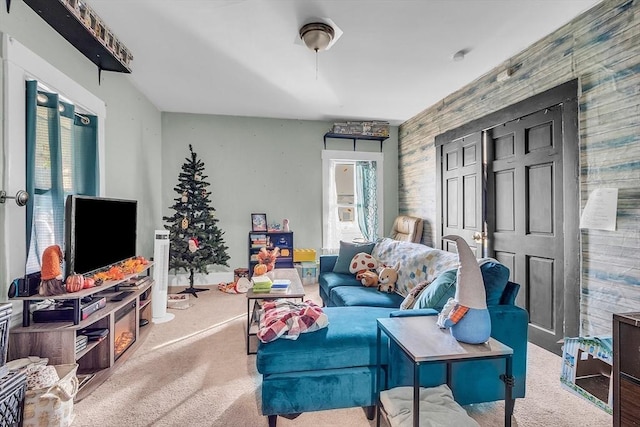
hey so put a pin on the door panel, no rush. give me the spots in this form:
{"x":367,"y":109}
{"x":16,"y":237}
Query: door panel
{"x":524,"y":216}
{"x":461,"y":184}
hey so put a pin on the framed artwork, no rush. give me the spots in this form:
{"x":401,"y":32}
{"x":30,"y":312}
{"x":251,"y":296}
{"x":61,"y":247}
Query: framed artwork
{"x":258,"y":222}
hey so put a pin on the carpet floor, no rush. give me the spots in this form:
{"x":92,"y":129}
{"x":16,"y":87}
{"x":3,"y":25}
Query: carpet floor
{"x":194,"y":371}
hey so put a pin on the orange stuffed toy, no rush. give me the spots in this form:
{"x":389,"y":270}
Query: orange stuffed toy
{"x":51,"y":275}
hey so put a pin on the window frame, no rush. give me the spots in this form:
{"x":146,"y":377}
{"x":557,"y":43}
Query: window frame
{"x":21,"y":64}
{"x":329,"y":156}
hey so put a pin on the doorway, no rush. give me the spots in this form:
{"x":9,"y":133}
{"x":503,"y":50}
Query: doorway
{"x":508,"y":184}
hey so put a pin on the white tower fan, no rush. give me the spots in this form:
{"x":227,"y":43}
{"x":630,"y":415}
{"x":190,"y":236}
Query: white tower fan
{"x":160,"y":277}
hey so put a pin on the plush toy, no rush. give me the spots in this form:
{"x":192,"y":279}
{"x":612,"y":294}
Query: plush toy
{"x":268,"y":257}
{"x":466,"y":314}
{"x":368,"y":278}
{"x":364,"y":267}
{"x":51,"y":275}
{"x":388,"y":277}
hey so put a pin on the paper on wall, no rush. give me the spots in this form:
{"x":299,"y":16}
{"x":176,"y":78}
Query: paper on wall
{"x":600,"y":211}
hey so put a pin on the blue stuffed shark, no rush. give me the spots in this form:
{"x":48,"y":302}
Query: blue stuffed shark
{"x":466,"y":314}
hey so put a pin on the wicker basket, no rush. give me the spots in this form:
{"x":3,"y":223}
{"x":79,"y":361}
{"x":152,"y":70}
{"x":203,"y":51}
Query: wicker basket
{"x":52,"y":406}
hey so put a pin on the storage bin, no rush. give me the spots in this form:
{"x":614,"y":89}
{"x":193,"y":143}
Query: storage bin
{"x":52,"y":406}
{"x":12,"y":391}
{"x":304,"y":255}
{"x":308,"y":272}
{"x":586,"y":369}
{"x":5,"y":319}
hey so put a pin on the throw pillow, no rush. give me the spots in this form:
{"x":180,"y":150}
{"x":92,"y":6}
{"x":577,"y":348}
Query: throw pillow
{"x":495,"y":276}
{"x":347,"y":252}
{"x":438,"y":292}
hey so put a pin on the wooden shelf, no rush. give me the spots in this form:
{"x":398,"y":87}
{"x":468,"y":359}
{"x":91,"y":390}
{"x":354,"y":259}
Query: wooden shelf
{"x":56,"y":340}
{"x":354,"y":138}
{"x":69,"y":26}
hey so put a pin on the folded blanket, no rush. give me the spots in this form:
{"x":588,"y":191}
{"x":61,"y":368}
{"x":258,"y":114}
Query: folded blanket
{"x":437,"y":408}
{"x":283,"y":318}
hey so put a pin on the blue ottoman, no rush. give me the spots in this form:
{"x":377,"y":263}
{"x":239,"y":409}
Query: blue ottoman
{"x":332,"y":368}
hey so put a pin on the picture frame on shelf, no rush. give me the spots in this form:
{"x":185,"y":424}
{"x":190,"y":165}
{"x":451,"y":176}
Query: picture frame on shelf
{"x":258,"y":222}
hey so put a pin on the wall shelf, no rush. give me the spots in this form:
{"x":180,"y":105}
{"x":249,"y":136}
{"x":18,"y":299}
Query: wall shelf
{"x":69,"y":26}
{"x":354,"y":138}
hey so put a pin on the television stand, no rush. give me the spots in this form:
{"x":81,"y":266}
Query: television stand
{"x":193,"y":291}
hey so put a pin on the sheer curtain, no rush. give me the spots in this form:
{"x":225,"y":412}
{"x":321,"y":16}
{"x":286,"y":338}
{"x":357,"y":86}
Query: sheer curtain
{"x":366,"y":199}
{"x":332,"y":221}
{"x":62,"y":159}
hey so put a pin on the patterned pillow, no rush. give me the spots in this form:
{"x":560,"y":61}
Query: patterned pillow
{"x":346,"y":254}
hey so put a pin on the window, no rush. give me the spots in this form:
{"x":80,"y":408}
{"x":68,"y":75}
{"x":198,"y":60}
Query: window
{"x":345,"y":208}
{"x":20,"y":66}
{"x":61,"y":152}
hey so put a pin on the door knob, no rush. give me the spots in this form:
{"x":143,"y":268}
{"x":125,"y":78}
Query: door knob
{"x":478,"y":237}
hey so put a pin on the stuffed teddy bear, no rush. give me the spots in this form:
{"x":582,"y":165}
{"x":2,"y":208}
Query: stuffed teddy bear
{"x":466,"y":314}
{"x":364,"y":267}
{"x":388,"y":277}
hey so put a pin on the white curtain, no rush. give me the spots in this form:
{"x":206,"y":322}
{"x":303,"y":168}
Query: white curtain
{"x":332,"y":227}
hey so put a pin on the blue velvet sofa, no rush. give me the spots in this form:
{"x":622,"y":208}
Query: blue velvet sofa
{"x":335,"y":367}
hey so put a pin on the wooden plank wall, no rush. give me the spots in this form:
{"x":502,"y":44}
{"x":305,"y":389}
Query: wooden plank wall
{"x":602,"y":49}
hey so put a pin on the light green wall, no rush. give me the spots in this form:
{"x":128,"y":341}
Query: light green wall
{"x":265,"y":166}
{"x":133,"y":127}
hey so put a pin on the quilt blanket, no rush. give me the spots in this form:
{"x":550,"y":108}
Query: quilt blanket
{"x":283,"y":318}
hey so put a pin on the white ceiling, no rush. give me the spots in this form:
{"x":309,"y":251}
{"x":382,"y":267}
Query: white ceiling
{"x":244,"y":57}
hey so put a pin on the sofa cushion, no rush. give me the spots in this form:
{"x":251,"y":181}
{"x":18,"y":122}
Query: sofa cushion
{"x":346,"y":254}
{"x":364,"y":296}
{"x":438,"y":292}
{"x":328,"y":281}
{"x":418,"y":263}
{"x":348,"y":341}
{"x":495,"y":276}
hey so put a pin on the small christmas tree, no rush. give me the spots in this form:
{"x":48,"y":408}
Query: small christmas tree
{"x":196,"y":240}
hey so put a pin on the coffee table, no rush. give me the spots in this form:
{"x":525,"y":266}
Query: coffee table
{"x":423,"y":341}
{"x":295,"y":291}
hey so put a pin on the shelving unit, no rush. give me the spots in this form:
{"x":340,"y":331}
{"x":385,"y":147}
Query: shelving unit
{"x":269,"y":240}
{"x":108,"y":55}
{"x":57,"y":340}
{"x":354,"y":138}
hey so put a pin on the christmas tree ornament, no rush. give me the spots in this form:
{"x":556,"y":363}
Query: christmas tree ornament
{"x":185,"y":223}
{"x":184,"y":198}
{"x":193,"y":244}
{"x":197,"y":178}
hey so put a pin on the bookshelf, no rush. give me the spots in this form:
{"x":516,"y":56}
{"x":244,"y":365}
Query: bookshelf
{"x":269,"y":240}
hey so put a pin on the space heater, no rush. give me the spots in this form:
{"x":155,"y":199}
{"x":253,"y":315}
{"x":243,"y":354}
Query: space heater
{"x":160,"y":277}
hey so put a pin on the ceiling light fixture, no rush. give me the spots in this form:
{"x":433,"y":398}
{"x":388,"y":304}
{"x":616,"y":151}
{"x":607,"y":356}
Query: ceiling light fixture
{"x":317,"y":36}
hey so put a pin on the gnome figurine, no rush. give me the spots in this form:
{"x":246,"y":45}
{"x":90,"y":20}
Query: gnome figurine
{"x":466,"y":314}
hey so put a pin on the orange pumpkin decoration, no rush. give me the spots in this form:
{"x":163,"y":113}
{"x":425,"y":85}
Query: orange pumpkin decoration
{"x":88,"y":283}
{"x":75,"y":282}
{"x":259,"y":269}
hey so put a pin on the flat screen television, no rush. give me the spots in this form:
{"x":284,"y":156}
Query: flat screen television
{"x":99,"y":232}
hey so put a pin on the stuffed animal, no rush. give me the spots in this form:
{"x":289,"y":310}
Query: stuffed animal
{"x":268,"y":257}
{"x":51,"y":274}
{"x":364,"y":267}
{"x":466,"y":314}
{"x":368,"y":278}
{"x":388,"y":277}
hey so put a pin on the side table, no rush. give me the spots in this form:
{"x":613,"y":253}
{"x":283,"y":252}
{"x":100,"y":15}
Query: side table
{"x":423,"y":342}
{"x":295,"y":291}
